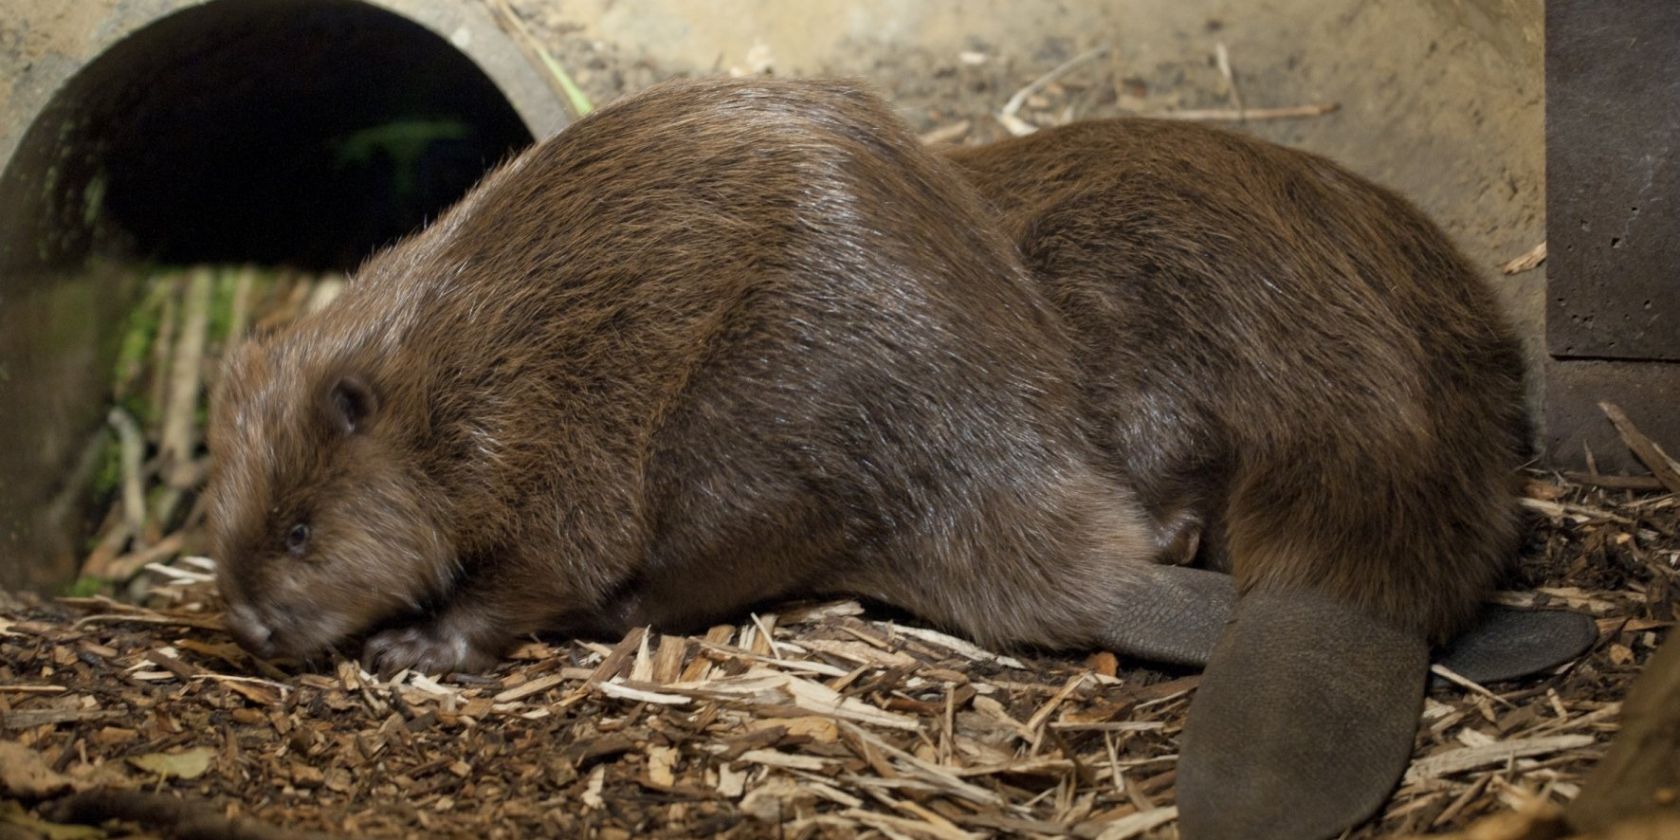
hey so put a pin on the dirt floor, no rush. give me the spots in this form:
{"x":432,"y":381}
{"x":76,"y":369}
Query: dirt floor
{"x":821,"y":720}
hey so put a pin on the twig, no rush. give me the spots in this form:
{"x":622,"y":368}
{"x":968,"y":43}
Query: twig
{"x":1498,"y":752}
{"x":129,"y":565}
{"x":1666,"y":469}
{"x":958,"y":646}
{"x":763,"y":630}
{"x":1019,"y":127}
{"x":1464,"y":682}
{"x":280,"y":687}
{"x":1458,"y":803}
{"x":179,"y":436}
{"x":164,"y":342}
{"x":1316,"y":109}
{"x":1579,"y":513}
{"x":325,"y":291}
{"x":1615,"y":482}
{"x":1223,"y":58}
{"x":132,"y":450}
{"x":1526,"y":262}
{"x":196,"y":622}
{"x":615,"y":660}
{"x":945,"y":134}
{"x":616,"y":687}
{"x":179,"y":576}
{"x":239,"y":310}
{"x":559,"y":79}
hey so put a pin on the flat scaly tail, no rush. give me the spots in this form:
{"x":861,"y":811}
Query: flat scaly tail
{"x":1306,"y":715}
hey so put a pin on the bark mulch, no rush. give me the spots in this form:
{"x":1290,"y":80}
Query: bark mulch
{"x":822,"y":720}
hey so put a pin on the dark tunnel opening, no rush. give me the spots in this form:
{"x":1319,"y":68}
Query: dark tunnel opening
{"x":298,"y":132}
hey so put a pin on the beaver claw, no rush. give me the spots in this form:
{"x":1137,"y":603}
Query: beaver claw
{"x":425,"y":648}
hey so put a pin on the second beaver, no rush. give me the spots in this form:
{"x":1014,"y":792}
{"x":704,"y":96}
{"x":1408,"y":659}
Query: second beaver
{"x":1302,"y":367}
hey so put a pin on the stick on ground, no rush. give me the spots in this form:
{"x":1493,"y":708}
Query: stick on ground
{"x":1665,"y":468}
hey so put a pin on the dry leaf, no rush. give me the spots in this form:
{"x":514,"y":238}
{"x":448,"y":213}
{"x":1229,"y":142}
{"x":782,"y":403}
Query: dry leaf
{"x":189,"y":764}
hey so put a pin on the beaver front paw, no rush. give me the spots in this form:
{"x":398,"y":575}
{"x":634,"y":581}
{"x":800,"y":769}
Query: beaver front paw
{"x":425,"y":648}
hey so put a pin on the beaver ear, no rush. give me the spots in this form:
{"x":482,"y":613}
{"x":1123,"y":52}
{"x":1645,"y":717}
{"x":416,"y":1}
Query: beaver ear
{"x":351,"y":403}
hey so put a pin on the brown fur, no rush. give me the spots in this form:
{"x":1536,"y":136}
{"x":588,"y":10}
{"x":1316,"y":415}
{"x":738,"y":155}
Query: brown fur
{"x":1280,"y":350}
{"x":721,"y":342}
{"x":731,"y":341}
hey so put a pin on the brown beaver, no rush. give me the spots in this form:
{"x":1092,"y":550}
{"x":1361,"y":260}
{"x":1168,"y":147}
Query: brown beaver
{"x":1300,"y":362}
{"x":725,"y":342}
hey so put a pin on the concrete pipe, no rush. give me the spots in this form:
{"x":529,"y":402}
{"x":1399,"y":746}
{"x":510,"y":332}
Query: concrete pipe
{"x":186,"y":131}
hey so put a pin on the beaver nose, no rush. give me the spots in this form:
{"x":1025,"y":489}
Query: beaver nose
{"x":250,"y":631}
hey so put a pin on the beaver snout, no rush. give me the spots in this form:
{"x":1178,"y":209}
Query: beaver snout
{"x":252,"y":633}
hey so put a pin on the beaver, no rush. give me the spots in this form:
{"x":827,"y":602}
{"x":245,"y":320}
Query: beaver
{"x":725,"y":342}
{"x":1298,"y":361}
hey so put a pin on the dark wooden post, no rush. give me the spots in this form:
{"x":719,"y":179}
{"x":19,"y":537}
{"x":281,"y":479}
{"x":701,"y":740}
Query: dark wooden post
{"x":1612,"y":224}
{"x":1641,"y":772}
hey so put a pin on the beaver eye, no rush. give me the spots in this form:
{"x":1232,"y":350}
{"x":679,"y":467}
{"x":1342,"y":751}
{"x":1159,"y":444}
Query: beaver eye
{"x":297,"y":539}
